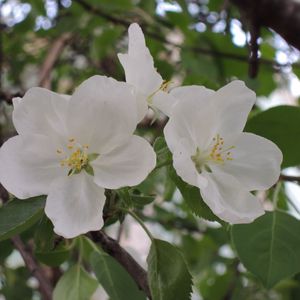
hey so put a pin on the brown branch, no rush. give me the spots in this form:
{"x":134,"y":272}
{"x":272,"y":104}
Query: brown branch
{"x":289,"y":178}
{"x":283,"y":16}
{"x":113,"y":248}
{"x":51,"y":58}
{"x":253,"y":55}
{"x":44,"y":285}
{"x":205,"y":51}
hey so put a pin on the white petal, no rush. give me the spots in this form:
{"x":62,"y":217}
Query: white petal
{"x":256,"y":162}
{"x":233,"y":103}
{"x":164,"y":102}
{"x":142,"y":105}
{"x":193,"y":119}
{"x":229,"y":200}
{"x":127,"y":165}
{"x":191,"y":92}
{"x":74,"y":205}
{"x":138,"y":63}
{"x":28,"y":165}
{"x":40,"y":111}
{"x":102,"y":113}
{"x":183,"y":164}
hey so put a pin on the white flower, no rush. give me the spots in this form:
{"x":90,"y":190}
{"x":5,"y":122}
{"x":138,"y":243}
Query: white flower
{"x":211,"y":152}
{"x":140,"y":72}
{"x":72,"y":148}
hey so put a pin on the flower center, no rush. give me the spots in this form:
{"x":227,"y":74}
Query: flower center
{"x":77,"y":158}
{"x":215,"y":154}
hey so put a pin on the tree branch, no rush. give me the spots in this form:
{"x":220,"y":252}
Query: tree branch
{"x":51,"y":58}
{"x":283,"y":16}
{"x":44,"y":284}
{"x":210,"y":52}
{"x":112,"y":247}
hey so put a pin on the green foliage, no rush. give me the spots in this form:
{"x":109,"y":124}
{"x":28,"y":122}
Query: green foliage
{"x":168,"y":275}
{"x":269,"y":247}
{"x":18,"y":215}
{"x":75,"y":284}
{"x":280,"y":124}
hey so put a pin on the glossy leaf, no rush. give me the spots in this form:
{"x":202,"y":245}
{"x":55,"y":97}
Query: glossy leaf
{"x":168,"y":274}
{"x":269,"y":247}
{"x":18,"y":215}
{"x":75,"y":284}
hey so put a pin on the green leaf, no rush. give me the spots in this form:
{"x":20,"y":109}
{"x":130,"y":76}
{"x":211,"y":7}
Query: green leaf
{"x":168,"y":275}
{"x":280,"y":124}
{"x":192,"y":196}
{"x":269,"y":247}
{"x":75,"y":284}
{"x":44,"y":235}
{"x":54,"y":258}
{"x":18,"y":215}
{"x":117,"y":283}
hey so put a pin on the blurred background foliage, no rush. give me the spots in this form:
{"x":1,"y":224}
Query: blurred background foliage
{"x":59,"y":43}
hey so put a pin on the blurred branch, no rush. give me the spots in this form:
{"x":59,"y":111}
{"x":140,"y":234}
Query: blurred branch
{"x":283,"y":16}
{"x":51,"y":58}
{"x":289,"y":178}
{"x":113,"y":248}
{"x":210,"y":52}
{"x":44,"y":284}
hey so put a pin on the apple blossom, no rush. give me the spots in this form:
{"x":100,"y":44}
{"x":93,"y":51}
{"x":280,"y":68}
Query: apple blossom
{"x":72,"y":148}
{"x":140,"y":72}
{"x":211,"y":152}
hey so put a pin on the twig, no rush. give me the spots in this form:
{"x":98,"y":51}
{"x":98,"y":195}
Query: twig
{"x":51,"y":58}
{"x":112,"y":247}
{"x":44,"y":284}
{"x":253,"y":55}
{"x":289,"y":178}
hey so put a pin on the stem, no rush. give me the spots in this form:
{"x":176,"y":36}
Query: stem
{"x":140,"y":221}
